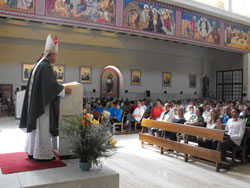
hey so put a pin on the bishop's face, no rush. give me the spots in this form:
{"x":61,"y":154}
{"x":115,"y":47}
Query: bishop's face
{"x":53,"y":59}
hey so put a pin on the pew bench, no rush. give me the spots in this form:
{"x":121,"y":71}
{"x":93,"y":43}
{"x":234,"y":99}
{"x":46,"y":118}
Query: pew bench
{"x":242,"y":148}
{"x":185,"y":150}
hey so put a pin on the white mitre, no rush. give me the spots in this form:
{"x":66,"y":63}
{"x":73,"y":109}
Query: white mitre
{"x":51,"y":46}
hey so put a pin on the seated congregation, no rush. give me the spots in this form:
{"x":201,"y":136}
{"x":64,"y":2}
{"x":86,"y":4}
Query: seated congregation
{"x":204,"y":123}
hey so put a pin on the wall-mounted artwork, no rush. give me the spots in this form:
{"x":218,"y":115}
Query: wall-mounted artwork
{"x":200,"y":28}
{"x":18,"y":5}
{"x":144,"y":16}
{"x":26,"y":70}
{"x":59,"y":71}
{"x":166,"y":79}
{"x":85,"y":75}
{"x":135,"y":77}
{"x":192,"y":80}
{"x":237,"y":37}
{"x":98,"y":11}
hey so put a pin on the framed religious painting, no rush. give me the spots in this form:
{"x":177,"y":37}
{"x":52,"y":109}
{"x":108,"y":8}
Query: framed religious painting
{"x":166,"y":79}
{"x":135,"y":77}
{"x":26,"y":69}
{"x":59,"y":71}
{"x":192,"y":80}
{"x":26,"y":6}
{"x":85,"y":75}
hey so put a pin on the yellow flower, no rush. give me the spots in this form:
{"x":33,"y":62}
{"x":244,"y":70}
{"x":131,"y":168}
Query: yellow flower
{"x":112,"y":142}
{"x":94,"y":121}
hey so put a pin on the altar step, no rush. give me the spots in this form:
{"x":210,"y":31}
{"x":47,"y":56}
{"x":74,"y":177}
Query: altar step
{"x":70,"y":176}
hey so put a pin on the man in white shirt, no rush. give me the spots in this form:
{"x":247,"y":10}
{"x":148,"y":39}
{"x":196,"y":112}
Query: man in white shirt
{"x":167,"y":116}
{"x":136,"y":116}
{"x":235,"y":129}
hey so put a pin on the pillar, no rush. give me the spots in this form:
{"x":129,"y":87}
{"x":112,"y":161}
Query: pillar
{"x":246,"y":76}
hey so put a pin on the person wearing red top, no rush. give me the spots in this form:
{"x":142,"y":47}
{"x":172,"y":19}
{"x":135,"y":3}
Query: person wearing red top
{"x":157,"y":110}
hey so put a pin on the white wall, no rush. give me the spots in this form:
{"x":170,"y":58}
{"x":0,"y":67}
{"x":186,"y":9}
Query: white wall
{"x":24,"y":44}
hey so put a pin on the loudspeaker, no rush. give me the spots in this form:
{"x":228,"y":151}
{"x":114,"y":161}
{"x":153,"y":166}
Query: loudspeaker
{"x":181,"y":92}
{"x":195,"y":93}
{"x":93,"y":90}
{"x":126,"y":91}
{"x":165,"y":92}
{"x":148,"y":93}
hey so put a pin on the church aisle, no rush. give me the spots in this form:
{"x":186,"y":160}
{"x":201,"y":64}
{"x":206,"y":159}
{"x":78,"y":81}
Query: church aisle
{"x":147,"y":168}
{"x":138,"y":168}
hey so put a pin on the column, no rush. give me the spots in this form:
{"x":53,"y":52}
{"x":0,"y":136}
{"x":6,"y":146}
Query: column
{"x":246,"y":76}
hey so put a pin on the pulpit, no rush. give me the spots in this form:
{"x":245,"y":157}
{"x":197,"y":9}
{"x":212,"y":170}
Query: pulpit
{"x":70,"y":105}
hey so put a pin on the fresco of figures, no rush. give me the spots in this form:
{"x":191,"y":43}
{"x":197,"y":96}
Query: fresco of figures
{"x":199,"y":28}
{"x":18,"y":5}
{"x":98,"y":11}
{"x":237,"y":37}
{"x":143,"y":16}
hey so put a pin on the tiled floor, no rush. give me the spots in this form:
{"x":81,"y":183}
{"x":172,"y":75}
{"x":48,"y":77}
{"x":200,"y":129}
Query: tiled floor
{"x":138,"y":167}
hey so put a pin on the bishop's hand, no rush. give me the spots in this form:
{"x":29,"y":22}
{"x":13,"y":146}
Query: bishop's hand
{"x":67,"y":89}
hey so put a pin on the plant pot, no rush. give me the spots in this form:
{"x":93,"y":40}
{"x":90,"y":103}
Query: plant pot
{"x":85,"y":166}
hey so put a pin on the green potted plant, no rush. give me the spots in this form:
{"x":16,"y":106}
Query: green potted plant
{"x":89,"y":140}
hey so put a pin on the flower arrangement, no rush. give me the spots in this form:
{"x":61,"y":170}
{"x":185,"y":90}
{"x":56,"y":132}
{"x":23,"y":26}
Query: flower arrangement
{"x":89,"y":140}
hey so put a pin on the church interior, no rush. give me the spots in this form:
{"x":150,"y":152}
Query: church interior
{"x":141,"y":67}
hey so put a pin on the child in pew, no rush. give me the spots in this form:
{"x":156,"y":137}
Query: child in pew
{"x":116,"y":114}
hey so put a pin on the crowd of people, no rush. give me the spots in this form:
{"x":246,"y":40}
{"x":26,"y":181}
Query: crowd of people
{"x":208,"y":113}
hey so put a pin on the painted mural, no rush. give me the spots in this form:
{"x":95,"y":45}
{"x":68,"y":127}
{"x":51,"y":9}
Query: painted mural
{"x":98,"y":11}
{"x":18,"y":5}
{"x":237,"y":37}
{"x":147,"y":17}
{"x":200,"y":28}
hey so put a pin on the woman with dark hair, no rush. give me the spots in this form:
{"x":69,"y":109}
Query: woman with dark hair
{"x":181,"y":120}
{"x":157,"y":110}
{"x":179,"y":116}
{"x":213,"y":123}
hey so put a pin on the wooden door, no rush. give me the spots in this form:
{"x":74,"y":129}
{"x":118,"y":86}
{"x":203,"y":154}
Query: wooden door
{"x":6,"y":91}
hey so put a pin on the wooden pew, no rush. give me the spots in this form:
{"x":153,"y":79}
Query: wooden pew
{"x":242,"y":148}
{"x":186,"y":150}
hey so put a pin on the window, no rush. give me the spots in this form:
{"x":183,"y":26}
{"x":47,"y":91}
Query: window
{"x":229,"y":85}
{"x":241,"y":7}
{"x":222,"y":4}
